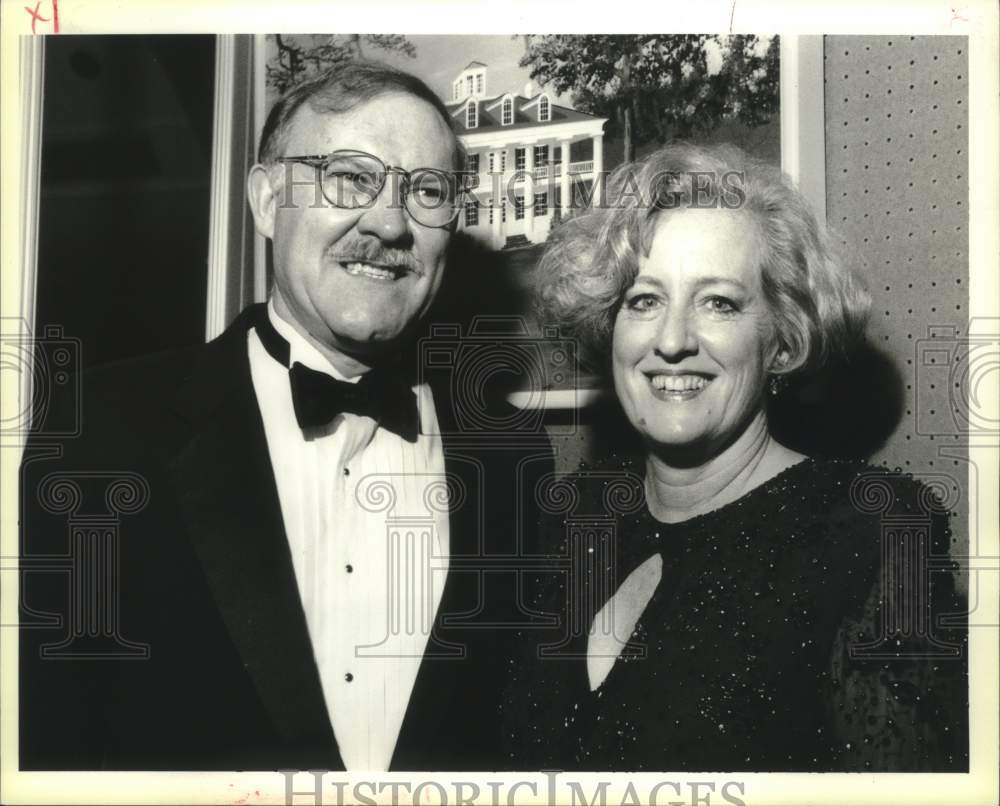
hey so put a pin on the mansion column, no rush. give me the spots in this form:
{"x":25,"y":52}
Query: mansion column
{"x":564,"y":179}
{"x":529,"y":189}
{"x":598,"y":167}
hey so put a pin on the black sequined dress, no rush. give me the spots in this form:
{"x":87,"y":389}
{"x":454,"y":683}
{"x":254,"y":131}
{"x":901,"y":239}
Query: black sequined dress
{"x":789,"y":631}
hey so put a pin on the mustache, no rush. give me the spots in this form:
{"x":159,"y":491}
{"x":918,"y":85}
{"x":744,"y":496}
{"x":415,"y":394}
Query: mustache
{"x":372,"y":250}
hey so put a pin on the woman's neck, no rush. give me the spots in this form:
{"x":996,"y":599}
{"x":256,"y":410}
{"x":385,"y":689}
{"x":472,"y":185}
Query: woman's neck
{"x":678,"y":491}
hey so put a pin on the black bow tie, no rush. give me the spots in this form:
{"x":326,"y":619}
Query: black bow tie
{"x":318,"y":398}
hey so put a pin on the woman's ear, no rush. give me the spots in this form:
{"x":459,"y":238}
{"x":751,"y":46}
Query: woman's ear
{"x":263,"y":200}
{"x":781,"y":360}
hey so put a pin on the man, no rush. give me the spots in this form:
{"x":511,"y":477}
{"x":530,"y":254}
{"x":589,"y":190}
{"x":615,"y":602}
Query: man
{"x":302,"y":577}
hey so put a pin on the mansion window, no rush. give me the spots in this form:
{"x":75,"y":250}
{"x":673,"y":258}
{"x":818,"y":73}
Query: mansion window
{"x":541,"y":204}
{"x":479,"y":83}
{"x":471,"y":115}
{"x":507,"y":115}
{"x":472,"y":213}
{"x":503,"y":210}
{"x":518,"y":207}
{"x":520,"y":159}
{"x":544,"y":110}
{"x":468,"y":85}
{"x":491,"y":211}
{"x":472,"y":164}
{"x":541,"y":156}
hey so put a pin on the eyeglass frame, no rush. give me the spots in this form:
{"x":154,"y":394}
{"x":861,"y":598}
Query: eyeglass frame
{"x":320,"y":161}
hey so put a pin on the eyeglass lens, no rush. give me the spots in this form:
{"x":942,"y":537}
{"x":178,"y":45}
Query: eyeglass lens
{"x":355,"y":180}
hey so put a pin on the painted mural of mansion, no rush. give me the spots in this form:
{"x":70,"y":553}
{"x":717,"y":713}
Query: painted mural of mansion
{"x":531,"y":156}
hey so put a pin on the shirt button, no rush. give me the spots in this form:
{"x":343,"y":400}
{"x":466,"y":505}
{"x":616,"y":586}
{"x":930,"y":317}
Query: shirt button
{"x":347,"y":471}
{"x":348,"y":677}
{"x":349,"y":568}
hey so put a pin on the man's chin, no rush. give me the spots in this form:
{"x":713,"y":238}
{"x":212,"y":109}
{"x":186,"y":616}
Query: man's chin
{"x":372,"y":342}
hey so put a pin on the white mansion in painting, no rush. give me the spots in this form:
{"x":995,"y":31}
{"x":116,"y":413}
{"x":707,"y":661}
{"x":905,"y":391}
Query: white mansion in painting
{"x":522,"y":147}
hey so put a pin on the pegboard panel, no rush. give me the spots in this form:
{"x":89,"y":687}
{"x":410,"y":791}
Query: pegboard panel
{"x":897,"y":194}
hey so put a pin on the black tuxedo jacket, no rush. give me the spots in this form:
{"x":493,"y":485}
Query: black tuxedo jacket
{"x":161,"y":622}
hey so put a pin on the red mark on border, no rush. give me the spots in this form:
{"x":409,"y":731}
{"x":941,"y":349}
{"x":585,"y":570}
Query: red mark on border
{"x":36,"y":16}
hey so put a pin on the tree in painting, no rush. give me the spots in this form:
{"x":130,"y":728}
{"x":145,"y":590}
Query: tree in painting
{"x":300,"y":56}
{"x":655,"y":88}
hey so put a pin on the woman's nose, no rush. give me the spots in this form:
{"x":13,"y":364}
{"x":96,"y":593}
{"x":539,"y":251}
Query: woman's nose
{"x":677,"y":337}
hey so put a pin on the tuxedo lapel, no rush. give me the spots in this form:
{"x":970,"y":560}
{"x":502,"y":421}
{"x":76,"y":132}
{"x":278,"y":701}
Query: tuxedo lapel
{"x":441,"y":693}
{"x":224,"y":482}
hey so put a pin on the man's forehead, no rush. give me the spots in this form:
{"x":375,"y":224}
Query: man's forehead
{"x":401,"y":129}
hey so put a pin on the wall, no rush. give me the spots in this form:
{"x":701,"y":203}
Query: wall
{"x":897,"y":193}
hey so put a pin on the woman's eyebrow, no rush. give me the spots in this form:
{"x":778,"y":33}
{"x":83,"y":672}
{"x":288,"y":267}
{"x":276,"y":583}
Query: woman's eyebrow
{"x":703,"y":281}
{"x":700,"y":282}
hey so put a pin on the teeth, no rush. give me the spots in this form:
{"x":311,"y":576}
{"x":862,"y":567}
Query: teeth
{"x":366,"y":269}
{"x":678,"y":383}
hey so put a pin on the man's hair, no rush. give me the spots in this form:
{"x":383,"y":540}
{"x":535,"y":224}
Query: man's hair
{"x":340,"y":89}
{"x":817,"y":304}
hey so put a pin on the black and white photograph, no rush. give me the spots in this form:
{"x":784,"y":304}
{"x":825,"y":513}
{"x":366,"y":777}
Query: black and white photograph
{"x":423,"y":416}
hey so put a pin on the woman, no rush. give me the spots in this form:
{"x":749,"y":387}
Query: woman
{"x":720,"y":600}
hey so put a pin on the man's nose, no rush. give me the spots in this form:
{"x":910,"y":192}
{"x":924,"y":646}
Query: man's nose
{"x":387,"y":218}
{"x":677,"y":337}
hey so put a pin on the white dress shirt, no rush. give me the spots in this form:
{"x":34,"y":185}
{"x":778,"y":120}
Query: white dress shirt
{"x":370,"y":558}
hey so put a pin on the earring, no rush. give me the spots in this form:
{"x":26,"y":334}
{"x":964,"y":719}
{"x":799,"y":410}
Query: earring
{"x":776,"y":383}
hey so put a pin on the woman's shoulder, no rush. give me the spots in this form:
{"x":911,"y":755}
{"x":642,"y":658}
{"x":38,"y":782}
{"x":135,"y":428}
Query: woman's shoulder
{"x":868,"y":490}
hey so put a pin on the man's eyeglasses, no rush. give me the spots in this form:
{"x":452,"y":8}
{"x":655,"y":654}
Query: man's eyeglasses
{"x":353,"y":180}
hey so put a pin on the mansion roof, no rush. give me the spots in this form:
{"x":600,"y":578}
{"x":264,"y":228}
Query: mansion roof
{"x":525,"y":114}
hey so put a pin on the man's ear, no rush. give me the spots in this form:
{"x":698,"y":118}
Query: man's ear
{"x":263,"y":200}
